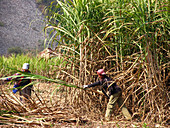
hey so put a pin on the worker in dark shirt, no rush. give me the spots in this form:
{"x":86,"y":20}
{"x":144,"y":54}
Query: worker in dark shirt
{"x":24,"y":93}
{"x":113,"y":92}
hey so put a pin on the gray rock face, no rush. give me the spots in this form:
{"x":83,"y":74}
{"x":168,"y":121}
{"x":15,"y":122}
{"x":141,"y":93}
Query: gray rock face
{"x":21,"y":25}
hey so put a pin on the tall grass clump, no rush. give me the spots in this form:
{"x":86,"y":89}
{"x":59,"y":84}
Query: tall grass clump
{"x":129,"y":39}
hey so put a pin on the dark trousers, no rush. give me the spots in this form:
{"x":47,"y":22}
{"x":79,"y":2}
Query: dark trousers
{"x":25,"y":93}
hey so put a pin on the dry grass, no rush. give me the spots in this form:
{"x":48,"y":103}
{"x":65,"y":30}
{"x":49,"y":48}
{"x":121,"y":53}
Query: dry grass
{"x":145,"y":90}
{"x":49,"y":108}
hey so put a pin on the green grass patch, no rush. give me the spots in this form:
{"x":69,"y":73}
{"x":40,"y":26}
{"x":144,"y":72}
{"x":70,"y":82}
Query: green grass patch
{"x":2,"y":24}
{"x":37,"y":66}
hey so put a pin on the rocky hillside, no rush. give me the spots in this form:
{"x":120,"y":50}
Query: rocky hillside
{"x":21,"y":25}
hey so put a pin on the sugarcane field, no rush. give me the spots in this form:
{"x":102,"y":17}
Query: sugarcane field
{"x":104,"y":64}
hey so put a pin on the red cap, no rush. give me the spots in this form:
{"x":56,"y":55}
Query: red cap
{"x":101,"y":72}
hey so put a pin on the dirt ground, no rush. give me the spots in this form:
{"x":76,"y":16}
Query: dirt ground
{"x":57,"y":115}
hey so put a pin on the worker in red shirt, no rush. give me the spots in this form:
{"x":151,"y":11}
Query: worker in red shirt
{"x":113,"y":92}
